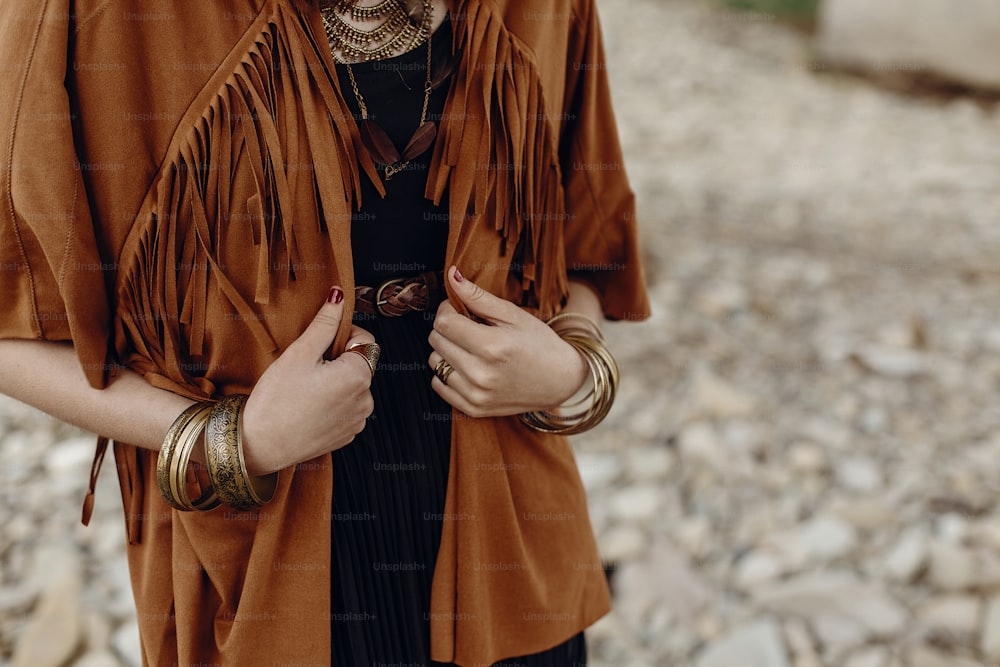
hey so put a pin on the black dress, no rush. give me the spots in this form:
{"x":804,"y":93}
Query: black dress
{"x":389,"y":484}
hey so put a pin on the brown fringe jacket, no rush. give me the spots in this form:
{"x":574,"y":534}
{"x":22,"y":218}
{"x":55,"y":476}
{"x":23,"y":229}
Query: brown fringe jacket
{"x":178,"y":180}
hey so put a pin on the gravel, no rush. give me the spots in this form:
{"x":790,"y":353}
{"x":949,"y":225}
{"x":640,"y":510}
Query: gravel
{"x":800,"y":467}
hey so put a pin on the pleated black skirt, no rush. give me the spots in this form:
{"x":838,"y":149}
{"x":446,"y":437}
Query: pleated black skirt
{"x":389,"y":491}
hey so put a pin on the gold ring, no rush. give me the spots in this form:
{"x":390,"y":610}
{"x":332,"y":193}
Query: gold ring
{"x":443,"y":370}
{"x":370,"y":352}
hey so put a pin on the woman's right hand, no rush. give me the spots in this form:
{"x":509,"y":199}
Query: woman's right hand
{"x":303,"y":405}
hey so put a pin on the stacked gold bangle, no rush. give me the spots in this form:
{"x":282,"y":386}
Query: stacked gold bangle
{"x":587,"y":339}
{"x":172,"y":463}
{"x":220,"y":423}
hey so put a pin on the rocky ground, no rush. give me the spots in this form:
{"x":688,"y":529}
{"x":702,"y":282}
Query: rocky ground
{"x":800,"y":471}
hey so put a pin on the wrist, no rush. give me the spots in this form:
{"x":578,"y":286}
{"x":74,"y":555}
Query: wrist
{"x":254,"y":456}
{"x":578,"y":373}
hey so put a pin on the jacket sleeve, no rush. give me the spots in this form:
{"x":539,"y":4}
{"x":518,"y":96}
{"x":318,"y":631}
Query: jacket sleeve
{"x":52,"y":278}
{"x":601,"y":240}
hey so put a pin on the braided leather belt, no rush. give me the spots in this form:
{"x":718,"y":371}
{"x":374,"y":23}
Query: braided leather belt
{"x":399,"y":296}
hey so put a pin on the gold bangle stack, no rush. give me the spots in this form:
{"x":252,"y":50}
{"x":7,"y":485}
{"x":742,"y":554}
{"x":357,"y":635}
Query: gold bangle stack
{"x":175,"y":455}
{"x":230,"y":483}
{"x":587,"y":339}
{"x":226,"y":466}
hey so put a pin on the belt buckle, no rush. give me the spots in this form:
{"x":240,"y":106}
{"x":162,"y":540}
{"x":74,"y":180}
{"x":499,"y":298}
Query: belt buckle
{"x":379,"y":301}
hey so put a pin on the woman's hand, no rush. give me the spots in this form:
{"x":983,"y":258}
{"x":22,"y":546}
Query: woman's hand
{"x":304,"y":406}
{"x":507,"y":363}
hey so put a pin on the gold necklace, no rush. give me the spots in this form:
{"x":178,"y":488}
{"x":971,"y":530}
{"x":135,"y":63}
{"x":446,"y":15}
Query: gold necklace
{"x":394,"y":33}
{"x":374,"y":138}
{"x":359,"y":13}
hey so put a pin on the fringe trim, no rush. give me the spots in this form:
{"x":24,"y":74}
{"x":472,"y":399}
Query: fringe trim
{"x":504,"y":169}
{"x":277,"y":90}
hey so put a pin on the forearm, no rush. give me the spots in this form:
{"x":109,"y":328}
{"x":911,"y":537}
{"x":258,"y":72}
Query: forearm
{"x":584,"y":300}
{"x":48,"y":376}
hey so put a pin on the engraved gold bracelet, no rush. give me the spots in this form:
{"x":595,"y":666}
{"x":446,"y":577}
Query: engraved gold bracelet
{"x":226,"y":465}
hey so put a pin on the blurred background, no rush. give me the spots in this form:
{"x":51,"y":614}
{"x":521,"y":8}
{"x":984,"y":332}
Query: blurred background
{"x":801,"y":469}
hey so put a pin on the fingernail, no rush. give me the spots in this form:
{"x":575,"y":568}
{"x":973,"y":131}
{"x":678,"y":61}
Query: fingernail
{"x":458,"y":275}
{"x":336,"y":295}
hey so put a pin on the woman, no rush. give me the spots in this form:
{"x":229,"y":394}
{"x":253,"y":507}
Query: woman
{"x":184,"y":185}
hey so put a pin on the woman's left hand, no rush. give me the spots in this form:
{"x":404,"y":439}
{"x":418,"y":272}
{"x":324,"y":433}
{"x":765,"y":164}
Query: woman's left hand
{"x":506,"y":363}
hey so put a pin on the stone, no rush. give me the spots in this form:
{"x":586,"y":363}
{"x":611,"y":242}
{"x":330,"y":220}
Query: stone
{"x":911,"y":334}
{"x":115,"y":576}
{"x":800,"y":643}
{"x":989,"y":642}
{"x":67,"y":463}
{"x":874,"y":420}
{"x":746,"y":438}
{"x":103,"y":658}
{"x":826,"y":538}
{"x":925,"y":656}
{"x":859,"y":474}
{"x":914,"y":36}
{"x":598,"y":470}
{"x":126,"y":645}
{"x":708,"y":626}
{"x":719,"y":299}
{"x":956,"y":616}
{"x":825,"y":431}
{"x":757,"y":644}
{"x":97,"y":632}
{"x":756,"y":568}
{"x":664,"y":579}
{"x":870,"y":656}
{"x":636,"y":503}
{"x":55,"y":631}
{"x":986,"y":533}
{"x":838,"y":634}
{"x":645,"y":416}
{"x":621,"y":543}
{"x":715,"y":398}
{"x":819,"y":540}
{"x":986,"y":572}
{"x":865,"y":512}
{"x":836,"y":592}
{"x":808,"y":661}
{"x":649,"y":463}
{"x":891,"y":362}
{"x":907,"y":557}
{"x":808,"y":458}
{"x":699,"y":442}
{"x":952,"y":529}
{"x":952,"y":567}
{"x":15,"y":599}
{"x":695,"y":535}
{"x":19,"y":528}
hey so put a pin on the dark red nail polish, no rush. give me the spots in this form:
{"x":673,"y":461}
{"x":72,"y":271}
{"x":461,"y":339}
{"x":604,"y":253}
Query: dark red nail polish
{"x":458,"y":276}
{"x":336,"y":295}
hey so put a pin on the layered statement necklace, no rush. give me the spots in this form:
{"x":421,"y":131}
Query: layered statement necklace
{"x":392,"y":29}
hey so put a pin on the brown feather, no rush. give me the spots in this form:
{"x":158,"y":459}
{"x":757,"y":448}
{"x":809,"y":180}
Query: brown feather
{"x":421,"y":140}
{"x":378,"y":143}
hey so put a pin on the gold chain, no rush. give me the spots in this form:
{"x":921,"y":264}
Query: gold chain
{"x":357,"y":93}
{"x":393,"y":169}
